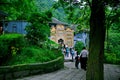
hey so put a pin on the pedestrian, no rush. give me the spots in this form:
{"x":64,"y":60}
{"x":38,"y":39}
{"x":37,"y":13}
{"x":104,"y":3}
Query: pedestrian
{"x":63,"y":49}
{"x":72,"y":52}
{"x":67,"y":51}
{"x":77,"y":61}
{"x":83,"y":58}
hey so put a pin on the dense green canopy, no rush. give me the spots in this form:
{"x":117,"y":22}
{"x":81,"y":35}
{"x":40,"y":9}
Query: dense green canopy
{"x":18,"y":9}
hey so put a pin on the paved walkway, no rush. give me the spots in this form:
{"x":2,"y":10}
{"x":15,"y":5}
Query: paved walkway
{"x":111,"y":72}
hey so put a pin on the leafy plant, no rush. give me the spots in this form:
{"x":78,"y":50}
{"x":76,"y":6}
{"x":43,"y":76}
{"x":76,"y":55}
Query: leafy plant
{"x":112,"y":47}
{"x":10,"y":44}
{"x":38,"y":30}
{"x":78,"y":46}
{"x":18,"y":9}
{"x":111,"y":58}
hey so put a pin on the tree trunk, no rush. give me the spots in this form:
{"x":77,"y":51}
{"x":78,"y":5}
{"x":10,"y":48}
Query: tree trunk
{"x":97,"y":38}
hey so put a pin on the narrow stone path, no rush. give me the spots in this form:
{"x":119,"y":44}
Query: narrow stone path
{"x":68,"y":73}
{"x":111,"y":72}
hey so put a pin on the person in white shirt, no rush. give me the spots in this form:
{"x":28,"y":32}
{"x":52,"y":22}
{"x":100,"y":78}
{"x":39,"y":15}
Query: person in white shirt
{"x":83,"y":58}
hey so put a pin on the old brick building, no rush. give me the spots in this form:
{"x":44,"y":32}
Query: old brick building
{"x":61,"y":33}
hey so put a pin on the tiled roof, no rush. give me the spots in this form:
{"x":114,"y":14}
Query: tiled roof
{"x":56,"y":21}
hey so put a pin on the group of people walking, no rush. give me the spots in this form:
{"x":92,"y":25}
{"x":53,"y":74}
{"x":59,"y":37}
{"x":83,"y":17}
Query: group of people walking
{"x":82,"y":59}
{"x":68,"y":51}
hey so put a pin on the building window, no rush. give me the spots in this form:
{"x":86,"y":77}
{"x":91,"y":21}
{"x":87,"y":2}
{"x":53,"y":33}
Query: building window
{"x":14,"y":28}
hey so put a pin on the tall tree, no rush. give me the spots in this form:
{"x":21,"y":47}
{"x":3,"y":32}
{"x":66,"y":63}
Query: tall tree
{"x":97,"y":38}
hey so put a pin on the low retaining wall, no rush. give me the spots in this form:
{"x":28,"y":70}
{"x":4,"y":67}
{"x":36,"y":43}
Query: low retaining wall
{"x":18,"y":71}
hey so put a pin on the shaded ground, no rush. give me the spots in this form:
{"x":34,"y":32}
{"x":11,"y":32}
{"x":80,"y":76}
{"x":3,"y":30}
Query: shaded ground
{"x":68,"y":73}
{"x":111,"y":72}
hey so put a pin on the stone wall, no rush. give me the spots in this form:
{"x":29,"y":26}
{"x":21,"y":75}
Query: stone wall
{"x":18,"y":71}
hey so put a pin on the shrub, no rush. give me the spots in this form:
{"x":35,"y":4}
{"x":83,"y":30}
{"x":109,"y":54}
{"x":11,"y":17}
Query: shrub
{"x":112,"y":46}
{"x":38,"y":31}
{"x":113,"y":42}
{"x":10,"y":44}
{"x":78,"y":46}
{"x":111,"y":58}
{"x":50,"y":44}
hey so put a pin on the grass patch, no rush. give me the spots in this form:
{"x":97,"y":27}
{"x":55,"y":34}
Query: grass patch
{"x":33,"y":55}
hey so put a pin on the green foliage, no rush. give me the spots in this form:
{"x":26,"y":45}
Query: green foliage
{"x":57,"y":11}
{"x":60,"y":14}
{"x":75,"y":13}
{"x":54,"y":44}
{"x":78,"y":46}
{"x":44,"y":5}
{"x":50,"y":45}
{"x":112,"y":47}
{"x":10,"y":44}
{"x":18,"y":9}
{"x":33,"y":55}
{"x":38,"y":31}
{"x":113,"y":42}
{"x":113,"y":18}
{"x":112,"y":58}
